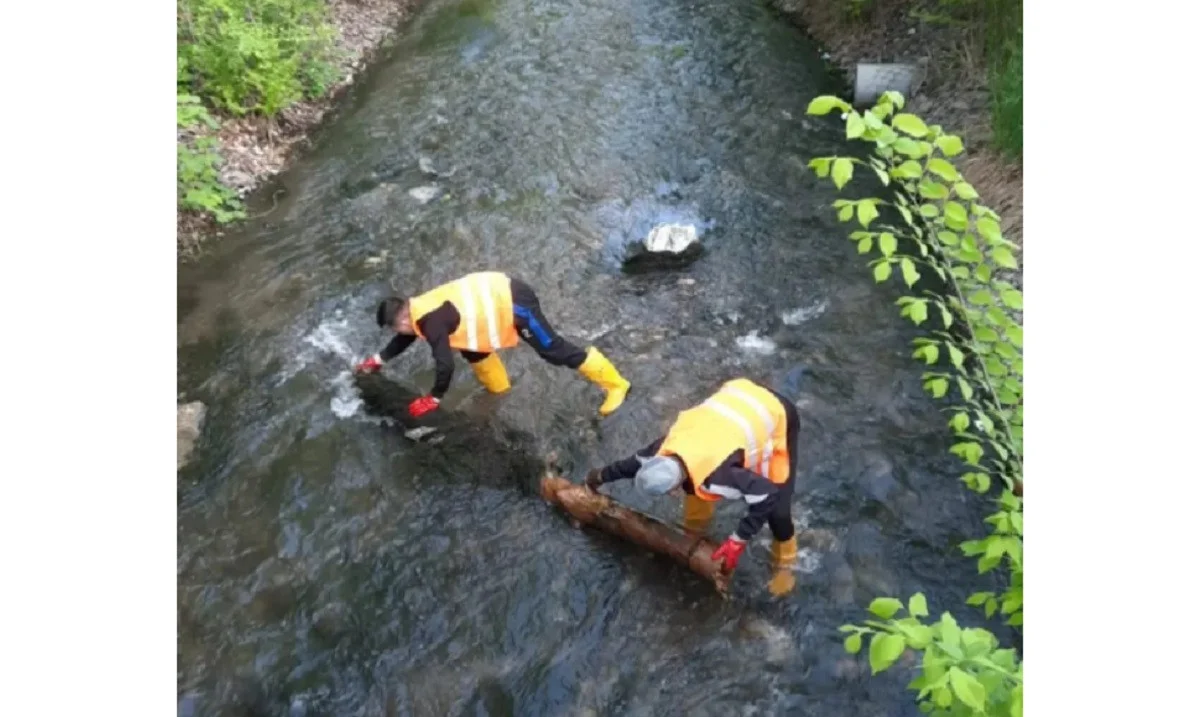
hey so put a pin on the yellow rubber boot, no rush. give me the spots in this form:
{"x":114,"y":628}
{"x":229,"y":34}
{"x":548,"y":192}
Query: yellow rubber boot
{"x":783,"y":559}
{"x":492,"y":374}
{"x":597,"y":369}
{"x":697,"y":513}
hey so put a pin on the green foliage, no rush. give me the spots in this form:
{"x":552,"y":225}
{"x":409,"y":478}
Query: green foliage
{"x":240,"y":57}
{"x":937,"y":230}
{"x":857,"y":10}
{"x":1004,"y":39}
{"x":254,"y":55}
{"x":197,"y":180}
{"x":964,"y":671}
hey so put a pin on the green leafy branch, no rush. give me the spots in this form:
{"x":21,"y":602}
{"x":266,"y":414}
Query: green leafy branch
{"x":963,"y":670}
{"x":949,"y":251}
{"x":957,"y":239}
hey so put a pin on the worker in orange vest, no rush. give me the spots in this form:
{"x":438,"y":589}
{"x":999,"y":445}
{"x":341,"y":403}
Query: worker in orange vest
{"x":739,"y":443}
{"x":478,"y":315}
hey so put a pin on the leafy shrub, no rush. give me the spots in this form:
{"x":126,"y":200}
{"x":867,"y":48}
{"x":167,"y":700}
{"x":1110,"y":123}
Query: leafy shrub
{"x":963,"y":670}
{"x":938,"y":228}
{"x":255,"y":55}
{"x":197,"y":179}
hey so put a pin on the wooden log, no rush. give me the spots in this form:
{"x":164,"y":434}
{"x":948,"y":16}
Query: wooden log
{"x":600,"y":511}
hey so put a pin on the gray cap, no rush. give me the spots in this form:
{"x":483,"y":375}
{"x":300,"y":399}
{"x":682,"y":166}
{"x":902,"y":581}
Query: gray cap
{"x":658,"y":475}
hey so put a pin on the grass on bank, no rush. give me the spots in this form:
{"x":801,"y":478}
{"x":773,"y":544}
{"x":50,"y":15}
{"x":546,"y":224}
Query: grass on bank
{"x":237,"y":58}
{"x":1004,"y":45}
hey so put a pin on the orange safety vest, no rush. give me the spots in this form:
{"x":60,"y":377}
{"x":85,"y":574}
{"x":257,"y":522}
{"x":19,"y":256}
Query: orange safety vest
{"x":485,"y":309}
{"x":741,"y":415}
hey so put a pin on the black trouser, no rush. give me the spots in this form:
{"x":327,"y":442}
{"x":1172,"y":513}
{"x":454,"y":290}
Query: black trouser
{"x":780,"y":519}
{"x":536,"y":331}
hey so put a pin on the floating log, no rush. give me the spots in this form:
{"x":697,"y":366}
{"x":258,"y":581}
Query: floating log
{"x":600,"y":511}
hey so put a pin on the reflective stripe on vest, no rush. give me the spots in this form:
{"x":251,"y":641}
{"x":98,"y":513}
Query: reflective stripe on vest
{"x":484,"y":304}
{"x":741,"y":415}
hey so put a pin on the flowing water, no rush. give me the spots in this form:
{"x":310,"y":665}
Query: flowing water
{"x":328,"y":566}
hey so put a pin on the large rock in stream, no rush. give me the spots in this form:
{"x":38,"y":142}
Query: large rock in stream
{"x":667,"y":246}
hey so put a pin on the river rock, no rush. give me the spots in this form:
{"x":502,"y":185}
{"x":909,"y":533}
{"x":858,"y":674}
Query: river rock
{"x":777,"y":643}
{"x":275,"y":594}
{"x":331,"y":622}
{"x":673,"y":238}
{"x":424,"y":194}
{"x":432,"y":170}
{"x":667,"y":246}
{"x":189,"y":419}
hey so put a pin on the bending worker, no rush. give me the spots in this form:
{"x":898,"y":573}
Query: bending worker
{"x":478,"y":315}
{"x":739,"y":443}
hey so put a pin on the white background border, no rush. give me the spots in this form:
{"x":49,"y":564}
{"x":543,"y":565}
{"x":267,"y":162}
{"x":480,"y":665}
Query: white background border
{"x":87,"y":275}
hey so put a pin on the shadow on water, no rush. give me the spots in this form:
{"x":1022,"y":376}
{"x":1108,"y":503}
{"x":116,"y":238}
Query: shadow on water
{"x":328,"y":565}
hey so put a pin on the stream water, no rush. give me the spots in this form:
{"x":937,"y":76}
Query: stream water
{"x":324,"y":568}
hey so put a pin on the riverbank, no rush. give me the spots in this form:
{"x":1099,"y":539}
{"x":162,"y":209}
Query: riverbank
{"x":255,"y":148}
{"x":952,"y":90}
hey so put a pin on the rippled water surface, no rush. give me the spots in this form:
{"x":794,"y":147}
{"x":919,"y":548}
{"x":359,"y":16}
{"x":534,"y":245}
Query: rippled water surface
{"x":328,"y":566}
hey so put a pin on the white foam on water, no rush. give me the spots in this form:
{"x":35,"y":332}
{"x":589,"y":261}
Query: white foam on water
{"x":328,"y":338}
{"x":345,"y":402}
{"x":807,"y":561}
{"x":804,"y":313}
{"x":753,"y":343}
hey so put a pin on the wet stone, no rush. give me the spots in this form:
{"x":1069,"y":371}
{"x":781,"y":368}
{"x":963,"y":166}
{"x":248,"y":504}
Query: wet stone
{"x":878,"y":481}
{"x":276,"y":596}
{"x":432,"y":169}
{"x":667,"y":247}
{"x":425,"y":194}
{"x":847,"y":668}
{"x":818,"y":539}
{"x":331,"y":622}
{"x":841,"y":585}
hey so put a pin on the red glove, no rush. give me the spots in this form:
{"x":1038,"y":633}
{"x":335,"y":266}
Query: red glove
{"x":729,"y":553}
{"x":370,"y":365}
{"x":419,"y":407}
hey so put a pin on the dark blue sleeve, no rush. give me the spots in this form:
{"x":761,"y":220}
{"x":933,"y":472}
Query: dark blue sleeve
{"x":628,"y":467}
